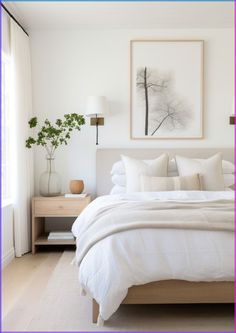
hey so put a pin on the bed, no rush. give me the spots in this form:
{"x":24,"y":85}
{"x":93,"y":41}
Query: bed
{"x":181,"y":281}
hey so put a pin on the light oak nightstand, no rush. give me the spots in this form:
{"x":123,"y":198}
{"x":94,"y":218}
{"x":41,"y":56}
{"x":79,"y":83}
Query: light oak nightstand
{"x":53,"y":207}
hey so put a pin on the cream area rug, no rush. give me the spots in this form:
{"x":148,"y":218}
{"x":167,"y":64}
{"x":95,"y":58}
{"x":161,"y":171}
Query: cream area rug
{"x":61,"y":308}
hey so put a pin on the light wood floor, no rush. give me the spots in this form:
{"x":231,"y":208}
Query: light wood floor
{"x":40,"y":293}
{"x":29,"y":272}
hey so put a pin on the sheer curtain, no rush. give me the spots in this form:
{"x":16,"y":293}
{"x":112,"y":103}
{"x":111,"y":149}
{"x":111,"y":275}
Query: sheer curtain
{"x":21,"y":109}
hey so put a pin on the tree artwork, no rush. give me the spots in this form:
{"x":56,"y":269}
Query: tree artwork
{"x":163,"y":108}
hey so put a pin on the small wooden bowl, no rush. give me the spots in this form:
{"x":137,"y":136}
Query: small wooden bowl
{"x":76,"y":186}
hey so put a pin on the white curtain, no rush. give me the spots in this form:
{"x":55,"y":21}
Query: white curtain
{"x":5,"y":32}
{"x":23,"y":158}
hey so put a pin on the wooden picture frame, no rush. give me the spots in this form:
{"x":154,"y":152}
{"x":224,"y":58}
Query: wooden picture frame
{"x":166,"y":89}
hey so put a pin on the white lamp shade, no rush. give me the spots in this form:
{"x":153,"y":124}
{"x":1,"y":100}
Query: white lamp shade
{"x":96,"y":105}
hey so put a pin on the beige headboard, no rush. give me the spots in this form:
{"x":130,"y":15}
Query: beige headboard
{"x":106,"y":158}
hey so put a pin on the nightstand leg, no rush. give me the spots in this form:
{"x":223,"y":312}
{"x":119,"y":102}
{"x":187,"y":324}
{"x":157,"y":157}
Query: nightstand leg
{"x":37,"y":230}
{"x":33,"y":235}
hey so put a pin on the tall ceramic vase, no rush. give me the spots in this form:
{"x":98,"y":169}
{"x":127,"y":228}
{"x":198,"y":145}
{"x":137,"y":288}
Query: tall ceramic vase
{"x":50,"y":181}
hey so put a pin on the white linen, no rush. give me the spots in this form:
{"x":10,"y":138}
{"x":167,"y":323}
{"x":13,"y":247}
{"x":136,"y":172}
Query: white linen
{"x":116,"y":263}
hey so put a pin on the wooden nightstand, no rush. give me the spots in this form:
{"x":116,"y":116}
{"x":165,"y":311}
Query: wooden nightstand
{"x":53,"y":207}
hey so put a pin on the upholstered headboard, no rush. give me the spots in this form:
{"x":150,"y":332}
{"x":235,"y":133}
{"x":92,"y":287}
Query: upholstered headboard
{"x":107,"y":157}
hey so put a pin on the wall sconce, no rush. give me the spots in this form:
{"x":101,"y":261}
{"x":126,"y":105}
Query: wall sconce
{"x":232,"y":120}
{"x":96,"y":107}
{"x":232,"y":116}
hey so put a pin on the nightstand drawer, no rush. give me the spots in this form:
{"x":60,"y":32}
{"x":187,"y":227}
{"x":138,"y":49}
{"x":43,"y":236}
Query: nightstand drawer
{"x":63,"y":207}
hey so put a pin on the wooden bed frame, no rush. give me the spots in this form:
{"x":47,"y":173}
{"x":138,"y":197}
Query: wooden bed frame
{"x":177,"y":292}
{"x":169,"y":291}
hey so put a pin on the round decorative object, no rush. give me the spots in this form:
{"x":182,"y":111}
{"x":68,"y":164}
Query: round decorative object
{"x":76,"y":186}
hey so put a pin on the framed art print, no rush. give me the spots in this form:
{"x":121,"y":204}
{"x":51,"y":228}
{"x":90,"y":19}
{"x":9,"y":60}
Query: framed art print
{"x":166,"y":95}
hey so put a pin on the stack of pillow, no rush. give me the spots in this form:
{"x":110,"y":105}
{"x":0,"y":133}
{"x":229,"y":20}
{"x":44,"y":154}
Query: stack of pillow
{"x":181,"y":173}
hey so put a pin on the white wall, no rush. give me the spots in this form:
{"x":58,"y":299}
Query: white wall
{"x":8,"y":252}
{"x":70,"y":65}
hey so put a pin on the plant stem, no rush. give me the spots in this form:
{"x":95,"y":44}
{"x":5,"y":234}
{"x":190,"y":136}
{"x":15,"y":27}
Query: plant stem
{"x":46,"y":147}
{"x":53,"y":150}
{"x":49,"y":176}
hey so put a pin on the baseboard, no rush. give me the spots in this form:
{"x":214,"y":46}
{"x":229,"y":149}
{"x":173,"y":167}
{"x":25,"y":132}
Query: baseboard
{"x":8,"y":257}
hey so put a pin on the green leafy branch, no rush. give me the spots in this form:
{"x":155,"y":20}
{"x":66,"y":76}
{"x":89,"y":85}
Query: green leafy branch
{"x":51,"y":136}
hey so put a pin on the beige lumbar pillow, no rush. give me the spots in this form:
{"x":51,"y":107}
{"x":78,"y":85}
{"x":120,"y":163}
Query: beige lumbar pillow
{"x":154,"y":184}
{"x":210,"y":171}
{"x":134,"y":168}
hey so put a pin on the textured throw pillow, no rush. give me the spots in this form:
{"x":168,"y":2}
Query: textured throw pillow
{"x":210,"y":171}
{"x":120,"y":182}
{"x":154,"y":184}
{"x":134,"y":168}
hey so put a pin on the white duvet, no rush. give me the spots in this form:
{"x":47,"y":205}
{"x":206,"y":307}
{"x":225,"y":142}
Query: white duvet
{"x":141,"y":256}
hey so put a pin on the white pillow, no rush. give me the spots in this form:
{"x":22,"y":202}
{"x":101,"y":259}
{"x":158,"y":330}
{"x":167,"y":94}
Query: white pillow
{"x":210,"y":171}
{"x":228,"y":180}
{"x":118,"y":190}
{"x":118,"y":167}
{"x":134,"y":168}
{"x":172,"y":167}
{"x":227,"y":167}
{"x":185,"y":183}
{"x":119,"y":180}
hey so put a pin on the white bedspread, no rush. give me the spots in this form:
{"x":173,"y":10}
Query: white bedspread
{"x":141,"y":256}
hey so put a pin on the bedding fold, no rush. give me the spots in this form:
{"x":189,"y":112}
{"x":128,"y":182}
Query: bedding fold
{"x":124,"y":216}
